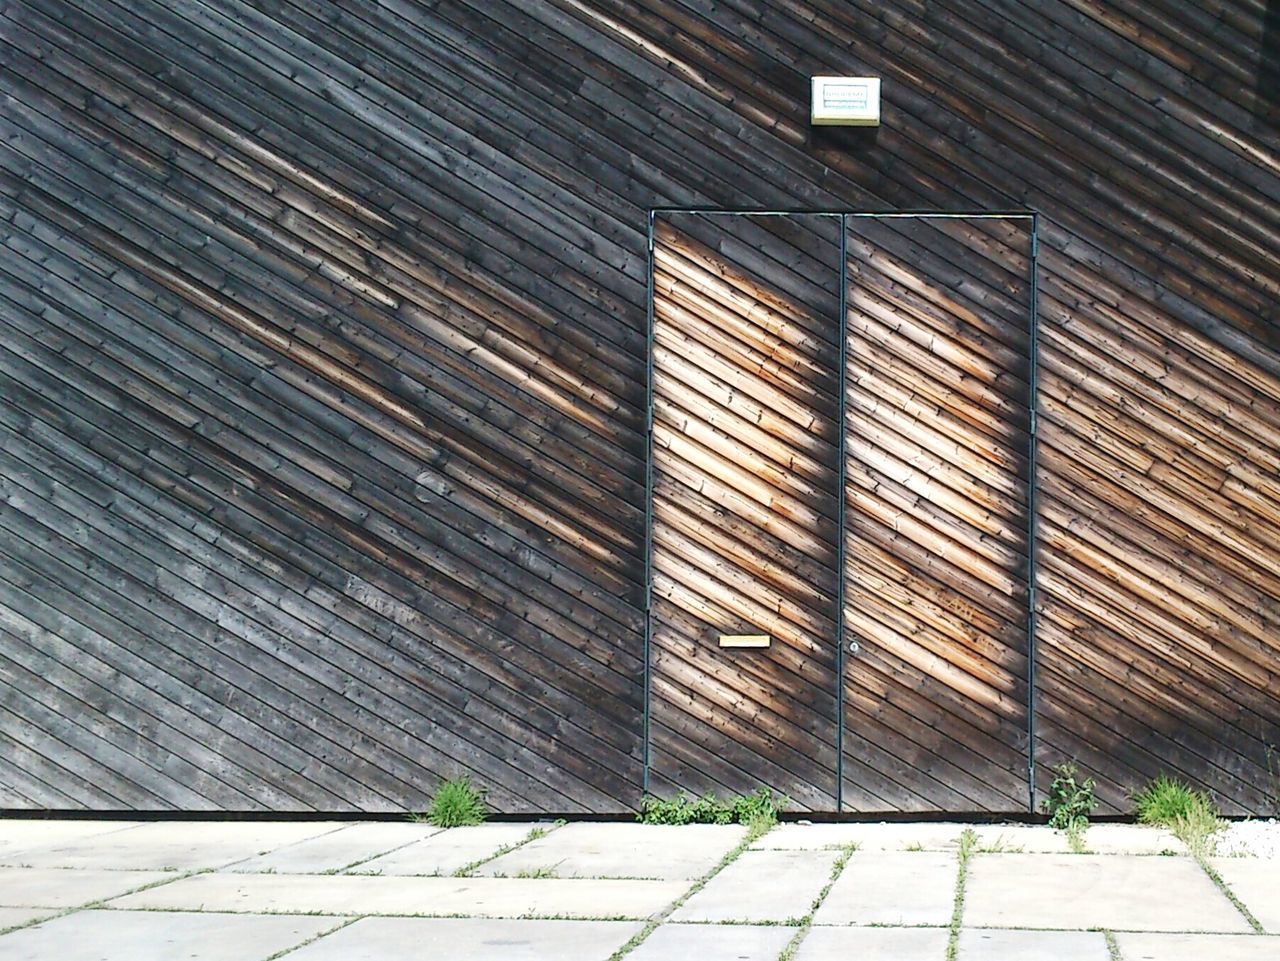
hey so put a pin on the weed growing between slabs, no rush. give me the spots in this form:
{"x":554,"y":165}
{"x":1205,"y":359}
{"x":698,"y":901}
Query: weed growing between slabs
{"x":1113,"y":946}
{"x":968,"y":844}
{"x":547,"y":871}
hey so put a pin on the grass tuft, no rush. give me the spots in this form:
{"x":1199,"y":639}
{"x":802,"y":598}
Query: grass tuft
{"x":1165,"y":799}
{"x":457,"y":803}
{"x":1189,"y":814}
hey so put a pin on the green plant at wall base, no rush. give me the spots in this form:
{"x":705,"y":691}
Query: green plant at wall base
{"x":683,"y":809}
{"x":1070,"y":800}
{"x":1163,"y":800}
{"x":759,"y":808}
{"x":1188,"y":813}
{"x":457,"y":803}
{"x":756,"y":810}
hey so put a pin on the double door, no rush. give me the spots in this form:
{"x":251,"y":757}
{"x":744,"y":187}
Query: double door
{"x":840,"y":463}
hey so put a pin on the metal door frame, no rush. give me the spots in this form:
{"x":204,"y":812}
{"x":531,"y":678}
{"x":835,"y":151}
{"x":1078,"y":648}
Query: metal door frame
{"x":1033,"y":333}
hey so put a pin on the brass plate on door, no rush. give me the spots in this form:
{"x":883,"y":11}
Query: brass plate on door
{"x":744,"y":640}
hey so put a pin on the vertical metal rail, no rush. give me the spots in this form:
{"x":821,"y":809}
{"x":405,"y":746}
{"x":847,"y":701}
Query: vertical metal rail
{"x":648,"y":516}
{"x":1033,"y":331}
{"x":840,"y":484}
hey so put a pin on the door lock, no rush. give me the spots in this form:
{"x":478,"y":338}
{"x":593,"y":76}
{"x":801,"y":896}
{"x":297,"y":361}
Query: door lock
{"x":854,"y":646}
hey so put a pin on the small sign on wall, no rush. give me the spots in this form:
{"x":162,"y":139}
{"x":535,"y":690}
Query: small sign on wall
{"x":744,"y":640}
{"x":846,"y":101}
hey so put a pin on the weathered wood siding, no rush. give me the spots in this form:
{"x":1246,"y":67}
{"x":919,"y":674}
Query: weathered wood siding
{"x":323,"y":391}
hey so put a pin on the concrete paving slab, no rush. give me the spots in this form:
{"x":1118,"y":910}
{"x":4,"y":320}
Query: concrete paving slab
{"x":1198,"y":947}
{"x":873,"y":944}
{"x":715,"y":942}
{"x":987,"y":945}
{"x":464,"y":939}
{"x":140,"y":936}
{"x":1079,"y":891}
{"x":1256,"y":882}
{"x":450,"y":850}
{"x":1021,"y":838}
{"x":1098,"y":839}
{"x":761,"y":886}
{"x":18,"y":835}
{"x":880,"y":836}
{"x":355,"y":894}
{"x":1131,"y":839}
{"x":893,"y":836}
{"x":11,"y":917}
{"x":176,"y":845}
{"x":344,"y":848}
{"x":892,"y":887}
{"x":589,"y":850}
{"x":60,"y":888}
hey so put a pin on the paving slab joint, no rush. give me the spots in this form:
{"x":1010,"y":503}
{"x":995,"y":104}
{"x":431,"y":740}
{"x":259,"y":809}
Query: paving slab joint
{"x":753,"y":834}
{"x":101,"y":903}
{"x":807,"y":921}
{"x":1113,"y":946}
{"x":373,"y":857}
{"x":534,"y":833}
{"x":314,"y":938}
{"x":292,"y":844}
{"x":1225,"y":888}
{"x":968,"y":844}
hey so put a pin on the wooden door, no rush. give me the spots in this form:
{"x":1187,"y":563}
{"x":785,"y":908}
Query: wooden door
{"x":923,"y":705}
{"x":936,"y":518}
{"x":745,"y":482}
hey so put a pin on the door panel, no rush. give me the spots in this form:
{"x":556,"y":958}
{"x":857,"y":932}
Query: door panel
{"x":936,"y":514}
{"x":745,"y":482}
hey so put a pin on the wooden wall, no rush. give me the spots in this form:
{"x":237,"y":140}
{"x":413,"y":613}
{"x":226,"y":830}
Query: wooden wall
{"x":323,"y":380}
